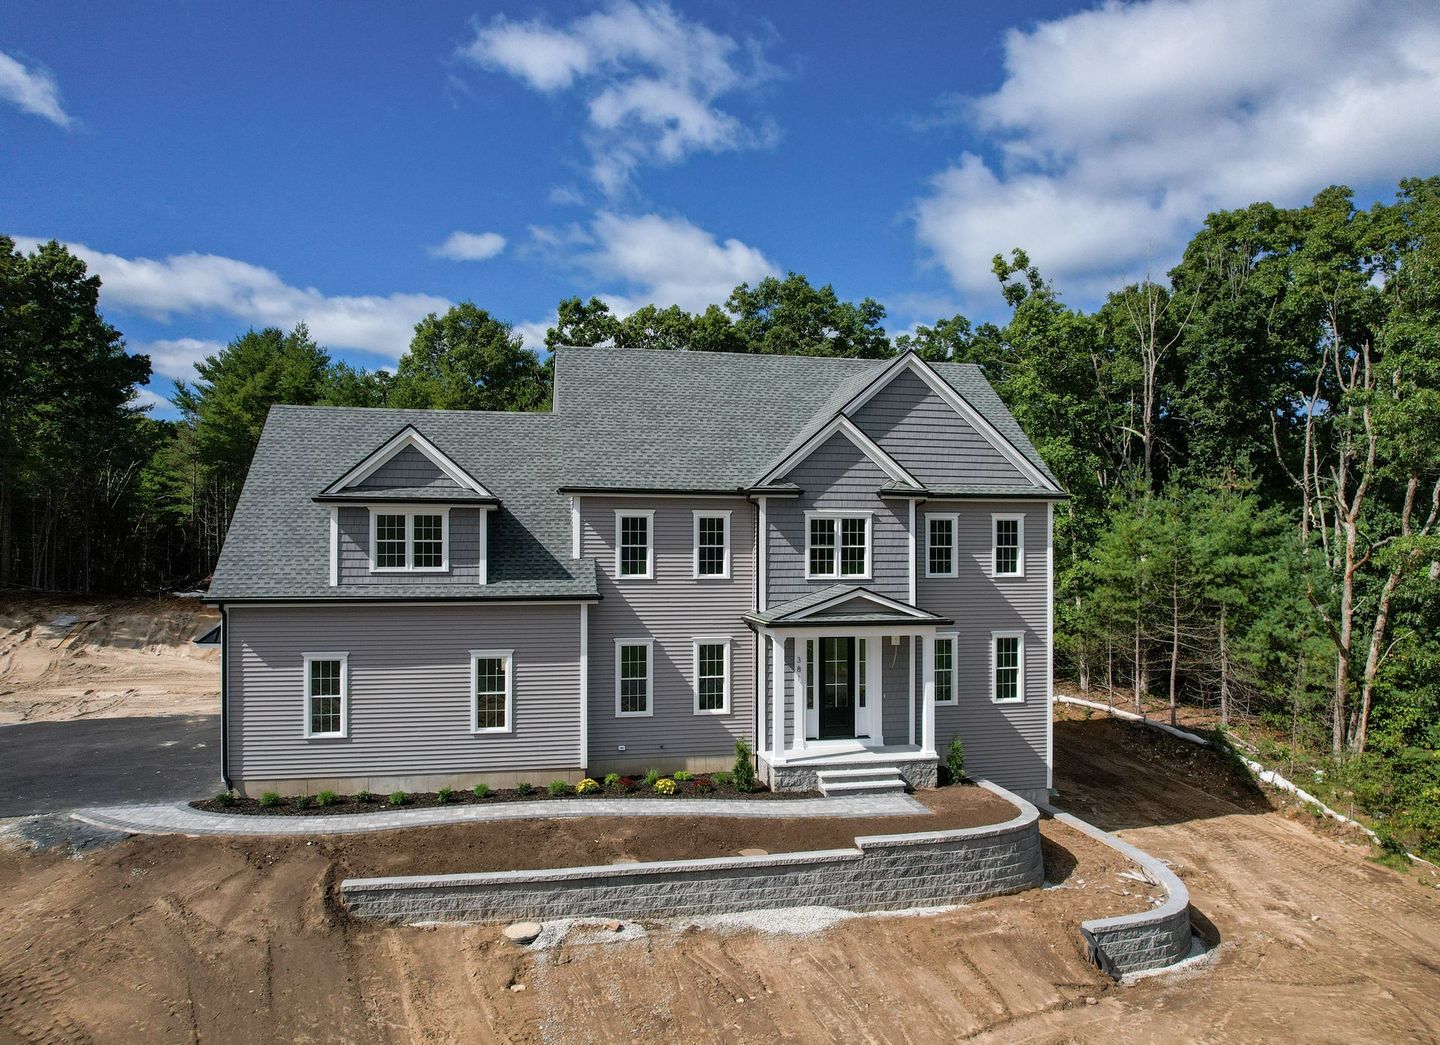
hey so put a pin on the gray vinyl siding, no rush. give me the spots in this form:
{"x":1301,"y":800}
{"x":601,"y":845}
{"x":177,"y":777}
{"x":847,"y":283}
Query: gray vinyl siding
{"x":837,"y":475}
{"x":926,"y":436}
{"x":409,"y":702}
{"x":894,"y":686}
{"x":1008,"y":743}
{"x":410,"y":469}
{"x":673,"y":609}
{"x":355,"y":551}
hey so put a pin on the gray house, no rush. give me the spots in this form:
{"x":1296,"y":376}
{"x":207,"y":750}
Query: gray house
{"x":843,"y":562}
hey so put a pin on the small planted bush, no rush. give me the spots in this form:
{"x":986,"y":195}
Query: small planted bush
{"x":557,"y":788}
{"x":302,"y":801}
{"x":744,"y":774}
{"x":720,"y":779}
{"x":524,"y":788}
{"x":612,"y":779}
{"x":363,"y":796}
{"x":665,"y":786}
{"x":650,"y":777}
{"x":682,"y":775}
{"x":586,"y":787}
{"x":955,"y":760}
{"x":445,"y":794}
{"x":480,"y":790}
{"x":270,"y":799}
{"x":398,"y":798}
{"x":326,"y":798}
{"x":224,"y":800}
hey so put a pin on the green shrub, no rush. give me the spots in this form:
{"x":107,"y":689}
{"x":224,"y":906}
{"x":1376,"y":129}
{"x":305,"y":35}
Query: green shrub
{"x":744,"y":774}
{"x":648,"y":780}
{"x":557,"y":788}
{"x":363,"y":796}
{"x":225,"y":800}
{"x":682,"y":775}
{"x":720,"y":779}
{"x":480,"y":790}
{"x":302,"y":801}
{"x":524,"y":788}
{"x":665,"y":786}
{"x":270,"y":799}
{"x":612,"y":779}
{"x":326,"y":798}
{"x":398,"y":798}
{"x":587,"y":787}
{"x":955,"y":760}
{"x":445,"y":794}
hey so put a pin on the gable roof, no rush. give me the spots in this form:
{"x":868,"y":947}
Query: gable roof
{"x":843,"y":426}
{"x":407,"y":438}
{"x":810,"y":609}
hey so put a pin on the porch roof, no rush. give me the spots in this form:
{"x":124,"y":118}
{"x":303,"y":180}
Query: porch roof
{"x":843,"y":604}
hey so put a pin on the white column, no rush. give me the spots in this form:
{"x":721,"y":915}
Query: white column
{"x":927,"y":675}
{"x":800,"y":684}
{"x":584,"y":685}
{"x":910,"y":677}
{"x":777,"y":700}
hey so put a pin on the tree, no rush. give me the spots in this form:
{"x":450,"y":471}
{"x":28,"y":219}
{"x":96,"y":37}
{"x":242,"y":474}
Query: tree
{"x":468,"y":360}
{"x":789,"y":316}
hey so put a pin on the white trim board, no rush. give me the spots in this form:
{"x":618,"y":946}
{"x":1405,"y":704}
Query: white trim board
{"x":406,"y":437}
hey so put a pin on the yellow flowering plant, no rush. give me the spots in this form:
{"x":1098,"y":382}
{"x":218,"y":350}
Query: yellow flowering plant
{"x":665,"y":786}
{"x":586,"y":786}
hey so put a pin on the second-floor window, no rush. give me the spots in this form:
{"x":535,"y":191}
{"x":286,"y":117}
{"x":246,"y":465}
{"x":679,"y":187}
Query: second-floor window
{"x":837,"y":546}
{"x":940,"y":545}
{"x":634,"y":544}
{"x":408,"y":541}
{"x":1008,"y":548}
{"x":712,"y":544}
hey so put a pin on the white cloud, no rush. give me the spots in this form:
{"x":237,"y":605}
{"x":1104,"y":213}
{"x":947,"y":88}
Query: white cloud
{"x":1118,"y":128}
{"x":470,"y":246}
{"x":149,"y":400}
{"x":652,"y":81}
{"x":32,"y":90}
{"x":176,"y":358}
{"x":198,"y":284}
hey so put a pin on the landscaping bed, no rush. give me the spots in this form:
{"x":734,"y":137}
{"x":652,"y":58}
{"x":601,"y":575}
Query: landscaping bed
{"x":682,"y":786}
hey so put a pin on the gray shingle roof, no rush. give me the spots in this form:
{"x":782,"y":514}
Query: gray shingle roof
{"x":624,"y":419}
{"x":788,"y":612}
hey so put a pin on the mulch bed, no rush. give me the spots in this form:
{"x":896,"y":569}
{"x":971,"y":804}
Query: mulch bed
{"x":702,"y":786}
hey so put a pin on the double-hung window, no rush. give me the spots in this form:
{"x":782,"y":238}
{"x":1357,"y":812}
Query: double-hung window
{"x":1007,"y":667}
{"x":327,"y":694}
{"x":837,"y":545}
{"x":1008,"y":545}
{"x":634,"y":677}
{"x":945,"y":669}
{"x":635,"y":544}
{"x":409,"y":542}
{"x":492,"y":691}
{"x":712,"y":544}
{"x":712,"y":676}
{"x":940,"y":539}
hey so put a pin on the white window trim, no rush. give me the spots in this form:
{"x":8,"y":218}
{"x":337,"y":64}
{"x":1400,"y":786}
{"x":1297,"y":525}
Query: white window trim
{"x":649,"y":645}
{"x":724,"y":574}
{"x":709,"y":640}
{"x":954,"y":519}
{"x":508,"y":656}
{"x":1020,"y":665}
{"x":649,"y":516}
{"x":410,"y":511}
{"x":344,"y":659}
{"x":838,"y":514}
{"x":995,"y":519}
{"x":954,"y":639}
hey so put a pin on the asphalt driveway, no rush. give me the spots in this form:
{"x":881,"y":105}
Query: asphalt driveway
{"x":49,"y":767}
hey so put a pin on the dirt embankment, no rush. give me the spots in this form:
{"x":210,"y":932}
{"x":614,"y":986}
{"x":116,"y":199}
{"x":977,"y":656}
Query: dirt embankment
{"x":62,"y":660}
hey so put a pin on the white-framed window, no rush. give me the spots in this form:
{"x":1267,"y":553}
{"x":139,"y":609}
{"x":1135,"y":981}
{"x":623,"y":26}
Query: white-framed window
{"x":1007,"y":667}
{"x":635,"y":544}
{"x":409,"y":541}
{"x":492,"y":690}
{"x":712,"y":544}
{"x":712,"y":676}
{"x":1007,"y":545}
{"x":837,"y":544}
{"x":327,"y":694}
{"x":947,"y":676}
{"x":941,"y":535}
{"x":634,"y":677}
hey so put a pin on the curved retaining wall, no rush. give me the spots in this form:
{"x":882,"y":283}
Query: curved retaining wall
{"x":882,"y":872}
{"x":1147,"y":940}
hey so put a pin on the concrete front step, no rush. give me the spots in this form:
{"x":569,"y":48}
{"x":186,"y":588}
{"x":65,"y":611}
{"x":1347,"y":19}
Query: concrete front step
{"x":870,"y":780}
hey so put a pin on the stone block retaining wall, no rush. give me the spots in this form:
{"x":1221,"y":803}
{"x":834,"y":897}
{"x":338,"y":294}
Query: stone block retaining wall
{"x":882,"y":872}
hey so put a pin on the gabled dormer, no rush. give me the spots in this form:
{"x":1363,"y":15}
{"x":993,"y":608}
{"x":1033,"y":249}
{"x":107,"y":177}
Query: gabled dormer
{"x":408,"y":512}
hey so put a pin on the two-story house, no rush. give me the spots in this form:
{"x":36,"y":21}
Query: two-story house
{"x":843,"y":562}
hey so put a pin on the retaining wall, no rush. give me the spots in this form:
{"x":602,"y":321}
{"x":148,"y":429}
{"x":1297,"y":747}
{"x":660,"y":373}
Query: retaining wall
{"x":882,"y":872}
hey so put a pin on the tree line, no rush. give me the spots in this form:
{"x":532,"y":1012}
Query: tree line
{"x":1251,"y":443}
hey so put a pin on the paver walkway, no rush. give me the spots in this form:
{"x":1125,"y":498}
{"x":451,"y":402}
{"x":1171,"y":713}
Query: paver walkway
{"x":178,"y":818}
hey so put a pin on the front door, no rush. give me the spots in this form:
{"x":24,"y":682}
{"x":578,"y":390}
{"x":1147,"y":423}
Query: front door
{"x":837,"y":688}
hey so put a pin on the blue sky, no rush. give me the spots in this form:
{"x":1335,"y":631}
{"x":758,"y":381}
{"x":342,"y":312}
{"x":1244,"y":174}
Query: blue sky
{"x":355,"y":166}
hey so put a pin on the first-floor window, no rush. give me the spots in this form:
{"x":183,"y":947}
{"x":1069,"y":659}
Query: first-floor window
{"x":1008,"y":667}
{"x":327,"y":686}
{"x":712,"y":676}
{"x":492,"y":682}
{"x":632,"y":677}
{"x":945,"y":669}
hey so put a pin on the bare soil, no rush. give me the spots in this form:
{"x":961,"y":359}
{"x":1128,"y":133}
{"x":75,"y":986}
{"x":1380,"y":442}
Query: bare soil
{"x":118,"y":658}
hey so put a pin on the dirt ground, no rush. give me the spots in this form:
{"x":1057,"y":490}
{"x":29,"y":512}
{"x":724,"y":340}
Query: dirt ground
{"x":118,"y":659}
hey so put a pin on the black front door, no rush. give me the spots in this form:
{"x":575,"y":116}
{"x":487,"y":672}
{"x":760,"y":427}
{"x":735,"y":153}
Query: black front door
{"x":837,"y":688}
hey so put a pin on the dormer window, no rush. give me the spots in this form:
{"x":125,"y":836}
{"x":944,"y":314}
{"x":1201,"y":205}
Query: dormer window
{"x":409,"y":541}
